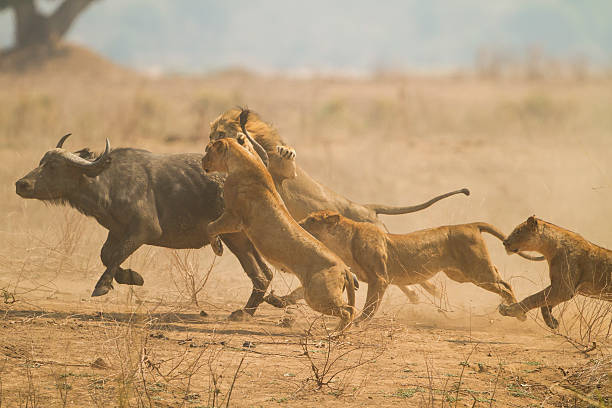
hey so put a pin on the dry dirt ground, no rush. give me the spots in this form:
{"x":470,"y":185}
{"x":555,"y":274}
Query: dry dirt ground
{"x":522,"y":146}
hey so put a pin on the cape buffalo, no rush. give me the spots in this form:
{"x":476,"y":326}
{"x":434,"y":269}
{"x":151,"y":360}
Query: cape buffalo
{"x":141,"y":198}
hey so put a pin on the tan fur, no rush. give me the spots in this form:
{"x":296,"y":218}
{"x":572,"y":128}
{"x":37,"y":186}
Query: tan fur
{"x":576,"y":266}
{"x":252,"y":205}
{"x":382,"y":259}
{"x":301,"y":194}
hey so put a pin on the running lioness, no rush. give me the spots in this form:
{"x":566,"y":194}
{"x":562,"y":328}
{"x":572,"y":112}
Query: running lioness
{"x":576,"y":266}
{"x":381,"y":259}
{"x":252,"y":205}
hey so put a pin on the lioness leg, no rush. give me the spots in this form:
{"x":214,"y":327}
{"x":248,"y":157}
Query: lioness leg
{"x":376,"y":291}
{"x":227,"y":223}
{"x":549,"y":298}
{"x":324,"y":294}
{"x":483,"y":274}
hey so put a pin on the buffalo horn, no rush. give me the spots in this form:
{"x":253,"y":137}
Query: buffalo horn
{"x":62,"y":140}
{"x":81,"y":162}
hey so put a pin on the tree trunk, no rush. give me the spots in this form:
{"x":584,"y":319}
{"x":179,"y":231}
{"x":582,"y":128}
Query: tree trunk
{"x":35,"y":29}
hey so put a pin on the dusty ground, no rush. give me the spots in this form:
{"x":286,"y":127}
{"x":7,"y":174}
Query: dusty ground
{"x":523,"y":147}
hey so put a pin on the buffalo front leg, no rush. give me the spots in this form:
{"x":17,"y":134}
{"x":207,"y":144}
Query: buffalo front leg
{"x":255,"y":268}
{"x":114,"y":251}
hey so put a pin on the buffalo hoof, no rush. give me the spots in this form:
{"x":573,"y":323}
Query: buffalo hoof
{"x":240,"y":315}
{"x":101,"y":290}
{"x":128,"y":277}
{"x":552,"y":323}
{"x":217,"y":246}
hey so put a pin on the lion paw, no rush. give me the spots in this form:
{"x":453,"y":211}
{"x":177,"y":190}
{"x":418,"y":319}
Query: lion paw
{"x":512,"y":311}
{"x":286,"y":152}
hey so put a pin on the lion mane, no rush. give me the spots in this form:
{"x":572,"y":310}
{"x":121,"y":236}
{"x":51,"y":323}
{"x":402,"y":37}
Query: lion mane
{"x":229,"y":122}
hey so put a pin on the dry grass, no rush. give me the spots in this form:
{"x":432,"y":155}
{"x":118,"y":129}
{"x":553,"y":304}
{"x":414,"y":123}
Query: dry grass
{"x":539,"y":146}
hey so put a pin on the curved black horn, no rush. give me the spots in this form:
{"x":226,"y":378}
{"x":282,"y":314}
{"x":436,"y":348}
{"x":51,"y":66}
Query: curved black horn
{"x":244,"y":117}
{"x":81,"y":162}
{"x":62,"y":140}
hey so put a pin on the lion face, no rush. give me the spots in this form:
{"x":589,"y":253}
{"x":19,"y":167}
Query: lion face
{"x":215,"y":158}
{"x":321,"y":223}
{"x":524,"y":237}
{"x":224,"y":126}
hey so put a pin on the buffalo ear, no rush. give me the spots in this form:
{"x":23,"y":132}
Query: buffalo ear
{"x":95,"y":171}
{"x":532,"y":222}
{"x":85,"y":153}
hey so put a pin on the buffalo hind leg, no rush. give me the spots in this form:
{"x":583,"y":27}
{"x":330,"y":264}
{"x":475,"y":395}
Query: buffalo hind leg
{"x":284,"y":301}
{"x":548,"y":317}
{"x":254,"y":267}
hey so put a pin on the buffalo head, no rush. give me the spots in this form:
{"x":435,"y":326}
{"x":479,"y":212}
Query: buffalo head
{"x":59,"y":173}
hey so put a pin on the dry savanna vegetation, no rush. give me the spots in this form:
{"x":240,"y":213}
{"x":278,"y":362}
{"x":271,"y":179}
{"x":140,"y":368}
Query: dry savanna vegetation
{"x":523,"y":146}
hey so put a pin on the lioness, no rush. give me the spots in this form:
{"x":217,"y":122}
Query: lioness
{"x":576,"y":266}
{"x":381,"y":259}
{"x":252,"y":205}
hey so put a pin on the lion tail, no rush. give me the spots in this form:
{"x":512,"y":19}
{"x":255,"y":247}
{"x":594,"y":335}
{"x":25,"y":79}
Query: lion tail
{"x":395,"y":210}
{"x":490,"y":229}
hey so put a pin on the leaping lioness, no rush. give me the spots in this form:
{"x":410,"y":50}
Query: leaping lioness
{"x":381,"y":259}
{"x":576,"y":266}
{"x":253,"y":205}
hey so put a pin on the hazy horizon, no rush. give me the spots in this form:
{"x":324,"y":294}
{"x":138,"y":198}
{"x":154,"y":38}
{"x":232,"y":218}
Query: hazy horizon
{"x":360,"y":36}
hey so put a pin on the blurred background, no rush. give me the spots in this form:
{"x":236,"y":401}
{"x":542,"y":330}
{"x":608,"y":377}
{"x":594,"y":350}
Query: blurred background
{"x":356,"y":37}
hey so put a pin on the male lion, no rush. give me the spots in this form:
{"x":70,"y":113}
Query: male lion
{"x":576,"y":266}
{"x":381,"y":259}
{"x":302,"y":194}
{"x":253,"y":206}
